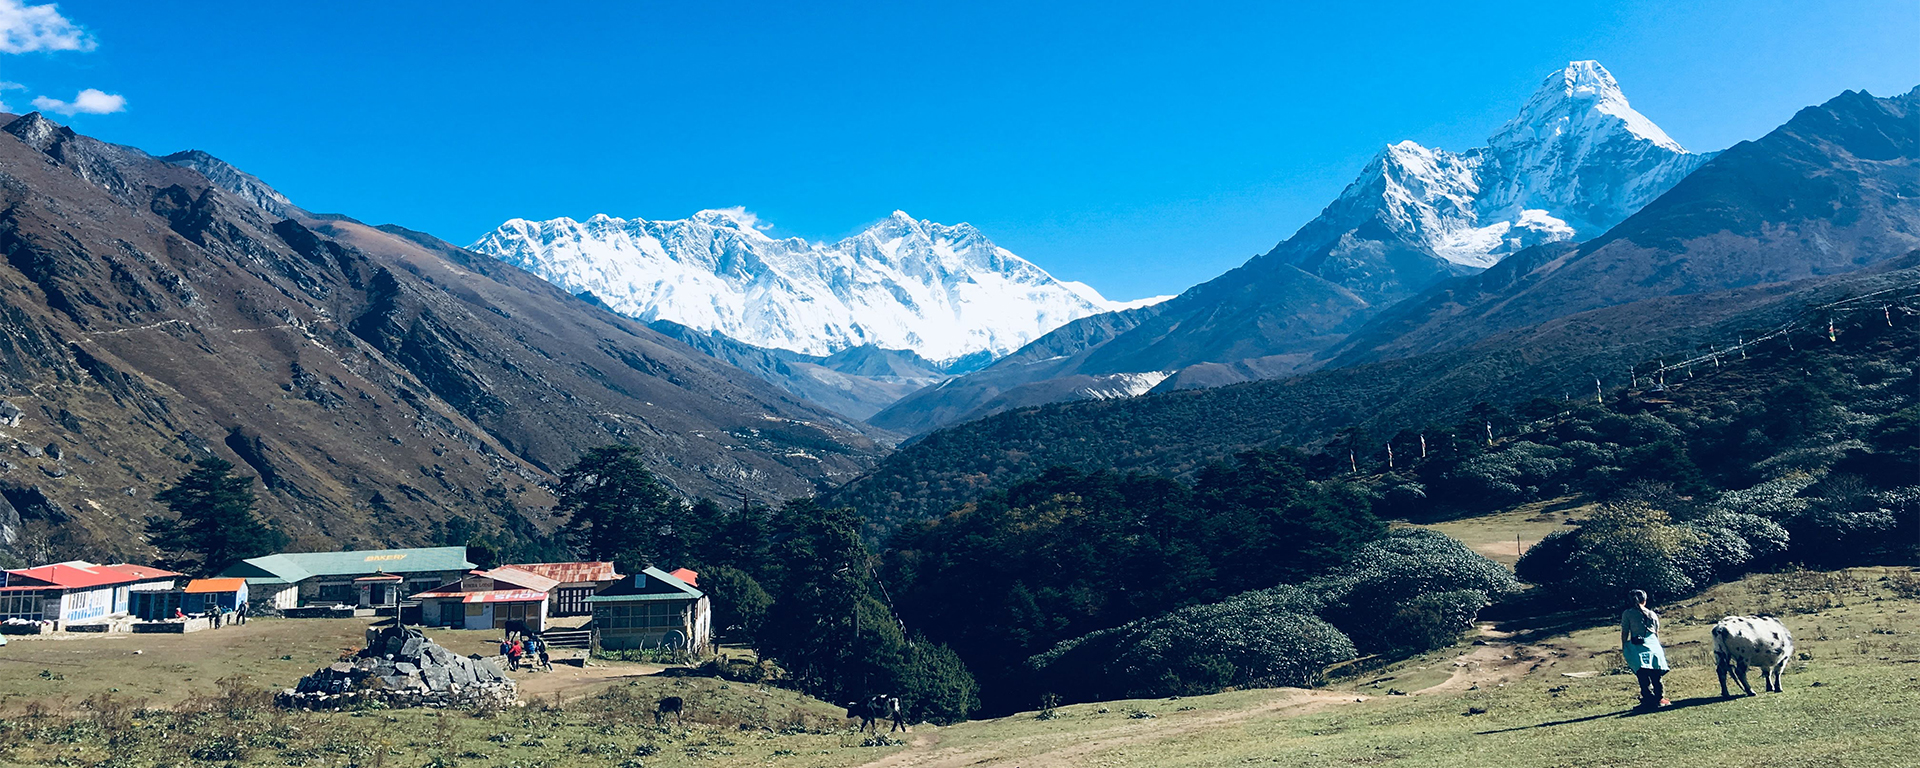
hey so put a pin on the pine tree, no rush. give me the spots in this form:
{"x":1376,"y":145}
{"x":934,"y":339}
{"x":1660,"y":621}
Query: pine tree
{"x":618,"y":511}
{"x":214,"y":525}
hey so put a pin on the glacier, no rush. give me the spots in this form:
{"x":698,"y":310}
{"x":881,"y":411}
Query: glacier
{"x":942,"y":292}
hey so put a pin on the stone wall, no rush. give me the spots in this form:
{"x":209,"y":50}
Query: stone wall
{"x":400,"y":667}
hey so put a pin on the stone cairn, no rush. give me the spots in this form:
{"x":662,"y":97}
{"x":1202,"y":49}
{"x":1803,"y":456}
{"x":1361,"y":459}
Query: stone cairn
{"x":400,"y":667}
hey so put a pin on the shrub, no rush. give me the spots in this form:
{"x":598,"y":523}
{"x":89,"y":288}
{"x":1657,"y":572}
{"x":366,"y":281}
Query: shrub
{"x":1257,"y":638}
{"x":1434,"y":620}
{"x":934,"y":685}
{"x":1366,"y":594}
{"x":1626,"y":545}
{"x":1548,"y":561}
{"x":1847,"y":520}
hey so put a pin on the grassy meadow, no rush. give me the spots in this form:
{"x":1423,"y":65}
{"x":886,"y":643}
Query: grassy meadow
{"x":1516,"y":695}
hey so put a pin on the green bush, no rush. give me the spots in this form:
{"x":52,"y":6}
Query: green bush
{"x":1366,"y":594}
{"x":934,"y":685}
{"x":1434,"y":620}
{"x":1263,"y":638}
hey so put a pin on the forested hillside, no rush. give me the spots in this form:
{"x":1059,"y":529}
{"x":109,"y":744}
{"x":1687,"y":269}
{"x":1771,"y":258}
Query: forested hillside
{"x":1092,"y":585}
{"x":1178,"y":433}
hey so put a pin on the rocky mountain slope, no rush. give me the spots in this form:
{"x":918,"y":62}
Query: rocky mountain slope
{"x":1823,"y":208}
{"x":378,"y":381}
{"x":1574,"y":161}
{"x":1831,"y":191}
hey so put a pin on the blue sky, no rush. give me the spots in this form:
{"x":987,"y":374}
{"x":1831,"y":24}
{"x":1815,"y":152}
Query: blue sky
{"x":1139,"y":147}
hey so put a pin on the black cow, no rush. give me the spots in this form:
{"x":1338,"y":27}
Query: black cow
{"x":670,"y":704}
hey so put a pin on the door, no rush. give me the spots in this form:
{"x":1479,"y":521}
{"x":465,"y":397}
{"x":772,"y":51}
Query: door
{"x":453,"y":614}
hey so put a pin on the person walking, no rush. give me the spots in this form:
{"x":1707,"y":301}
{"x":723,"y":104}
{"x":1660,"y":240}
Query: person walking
{"x":1640,"y":643}
{"x":240,"y":614}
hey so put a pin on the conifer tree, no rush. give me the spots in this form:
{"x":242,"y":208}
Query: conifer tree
{"x":214,"y":525}
{"x":619,"y":512}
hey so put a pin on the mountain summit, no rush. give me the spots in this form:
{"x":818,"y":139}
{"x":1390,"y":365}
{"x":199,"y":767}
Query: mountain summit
{"x":1576,"y":160}
{"x":942,"y":292}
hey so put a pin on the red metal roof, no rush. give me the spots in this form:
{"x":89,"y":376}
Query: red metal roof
{"x":381,"y":577}
{"x":209,"y":586}
{"x":571,"y":573}
{"x":143,"y":571}
{"x":690,"y":577}
{"x":74,"y":575}
{"x":489,"y":596}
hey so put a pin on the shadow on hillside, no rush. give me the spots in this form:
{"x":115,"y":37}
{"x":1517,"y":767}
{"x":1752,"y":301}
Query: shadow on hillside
{"x":1629,"y":712}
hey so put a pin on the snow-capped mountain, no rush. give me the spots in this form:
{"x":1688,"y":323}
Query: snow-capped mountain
{"x":1575,"y":161}
{"x":942,"y":292}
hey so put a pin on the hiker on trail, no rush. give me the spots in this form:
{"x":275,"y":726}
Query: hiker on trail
{"x":539,"y":646}
{"x":240,"y":614}
{"x":532,"y":649}
{"x":1640,"y":643}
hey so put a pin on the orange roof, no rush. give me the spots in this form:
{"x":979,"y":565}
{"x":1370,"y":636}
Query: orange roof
{"x":142,"y":571}
{"x":690,"y":577}
{"x":208,"y":586}
{"x":571,"y":573}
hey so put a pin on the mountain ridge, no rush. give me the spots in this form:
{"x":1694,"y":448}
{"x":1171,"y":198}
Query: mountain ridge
{"x":1414,"y":217}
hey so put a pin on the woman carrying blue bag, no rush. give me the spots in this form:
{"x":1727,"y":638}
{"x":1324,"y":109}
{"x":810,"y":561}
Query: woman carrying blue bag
{"x":1640,"y":643}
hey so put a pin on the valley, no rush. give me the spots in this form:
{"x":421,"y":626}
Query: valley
{"x":281,"y":486}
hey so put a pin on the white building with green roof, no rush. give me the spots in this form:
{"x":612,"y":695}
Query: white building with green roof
{"x":652,"y":609}
{"x":291,"y":579}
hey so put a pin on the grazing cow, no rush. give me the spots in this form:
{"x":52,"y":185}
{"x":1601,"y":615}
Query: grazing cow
{"x":1758,"y":641}
{"x":864,"y":712}
{"x":669,"y":705}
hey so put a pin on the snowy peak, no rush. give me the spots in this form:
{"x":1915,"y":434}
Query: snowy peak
{"x":943,"y":292}
{"x":1576,"y":160}
{"x":1581,"y":99}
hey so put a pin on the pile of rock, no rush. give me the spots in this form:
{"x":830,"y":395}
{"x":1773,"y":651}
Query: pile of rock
{"x":400,"y":667}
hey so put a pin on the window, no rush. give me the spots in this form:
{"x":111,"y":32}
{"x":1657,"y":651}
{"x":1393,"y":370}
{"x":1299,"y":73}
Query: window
{"x":20,"y":606}
{"x":339,"y":593}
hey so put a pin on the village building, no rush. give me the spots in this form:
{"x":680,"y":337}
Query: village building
{"x":76,"y":593}
{"x":496,"y":599}
{"x":292,"y":579}
{"x":204,"y":595}
{"x":577,"y":582}
{"x":653,"y":609}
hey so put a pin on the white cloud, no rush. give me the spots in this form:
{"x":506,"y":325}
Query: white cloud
{"x":91,"y":101}
{"x":27,"y":28}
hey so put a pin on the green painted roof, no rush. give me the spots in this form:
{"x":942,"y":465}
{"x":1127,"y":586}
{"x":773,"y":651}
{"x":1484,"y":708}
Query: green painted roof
{"x":648,"y":584}
{"x":299,"y":566}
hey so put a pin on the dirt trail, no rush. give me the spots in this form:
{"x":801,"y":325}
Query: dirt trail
{"x":1073,"y":748}
{"x":1496,"y":661}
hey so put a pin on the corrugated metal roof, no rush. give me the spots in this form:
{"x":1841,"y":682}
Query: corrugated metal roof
{"x":144,"y":571}
{"x":572,"y":573}
{"x":300,"y":566}
{"x":70,"y":575}
{"x":521,"y":578}
{"x":648,"y":584}
{"x":209,"y":586}
{"x":692,"y":578}
{"x":488,"y":596}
